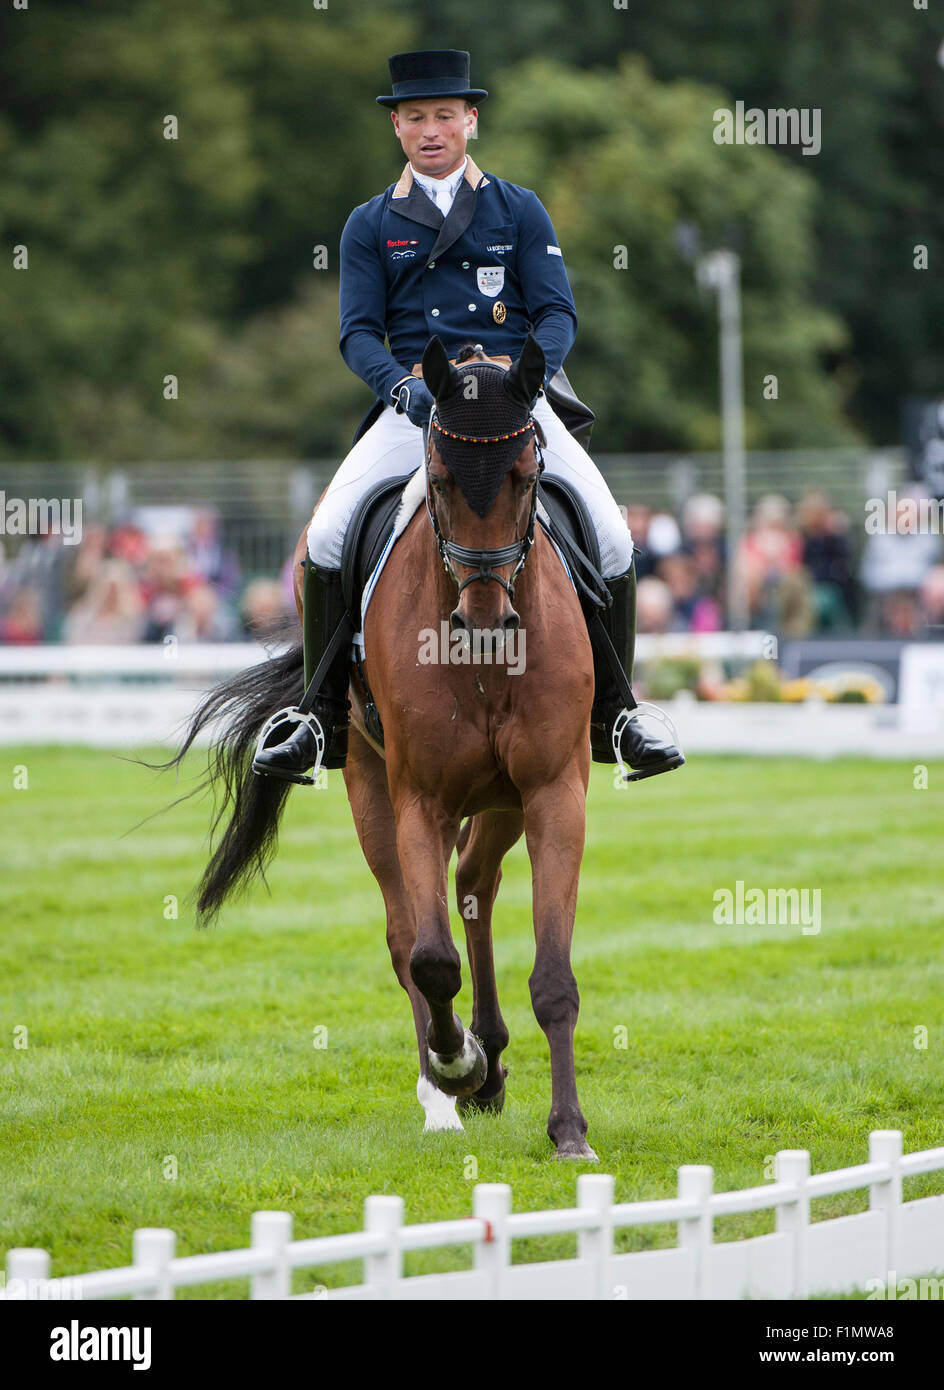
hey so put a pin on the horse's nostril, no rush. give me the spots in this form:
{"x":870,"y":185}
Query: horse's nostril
{"x":512,"y":622}
{"x":457,"y":622}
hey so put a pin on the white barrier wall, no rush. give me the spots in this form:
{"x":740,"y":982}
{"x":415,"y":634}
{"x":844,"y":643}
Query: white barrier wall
{"x":123,"y":697}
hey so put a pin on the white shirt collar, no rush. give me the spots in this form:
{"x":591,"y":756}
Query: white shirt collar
{"x":442,"y":191}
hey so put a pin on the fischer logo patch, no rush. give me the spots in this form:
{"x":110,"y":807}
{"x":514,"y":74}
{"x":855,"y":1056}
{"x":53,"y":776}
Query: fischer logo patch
{"x":413,"y":242}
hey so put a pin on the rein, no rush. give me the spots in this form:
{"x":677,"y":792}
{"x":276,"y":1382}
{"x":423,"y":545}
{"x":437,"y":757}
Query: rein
{"x":485,"y":562}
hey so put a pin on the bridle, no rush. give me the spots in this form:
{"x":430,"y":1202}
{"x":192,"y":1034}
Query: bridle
{"x":485,"y":562}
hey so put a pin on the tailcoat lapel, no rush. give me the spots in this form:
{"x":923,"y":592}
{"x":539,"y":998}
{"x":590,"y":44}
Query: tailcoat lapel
{"x":410,"y":201}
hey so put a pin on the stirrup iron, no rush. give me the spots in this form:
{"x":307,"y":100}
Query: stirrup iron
{"x":621,"y":723}
{"x":292,"y":716}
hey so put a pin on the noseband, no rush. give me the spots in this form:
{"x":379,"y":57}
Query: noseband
{"x":485,"y":562}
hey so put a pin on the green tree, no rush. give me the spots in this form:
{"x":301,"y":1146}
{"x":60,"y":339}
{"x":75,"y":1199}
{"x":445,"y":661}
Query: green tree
{"x":193,"y":257}
{"x":620,"y":161}
{"x":148,"y":256}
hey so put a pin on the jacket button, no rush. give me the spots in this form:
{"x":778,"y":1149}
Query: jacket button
{"x":431,"y":266}
{"x":472,"y":308}
{"x":435,"y":313}
{"x":465,"y":265}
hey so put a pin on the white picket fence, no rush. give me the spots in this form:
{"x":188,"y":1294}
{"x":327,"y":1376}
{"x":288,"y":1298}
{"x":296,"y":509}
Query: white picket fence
{"x":799,"y":1259}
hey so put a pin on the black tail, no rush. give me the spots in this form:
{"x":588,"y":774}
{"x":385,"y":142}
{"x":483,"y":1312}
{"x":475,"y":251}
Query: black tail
{"x":241,"y":706}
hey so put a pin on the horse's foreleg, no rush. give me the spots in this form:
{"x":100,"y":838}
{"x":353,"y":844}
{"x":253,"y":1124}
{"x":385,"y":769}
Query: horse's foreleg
{"x":366,"y":779}
{"x":554,"y":819}
{"x":482,"y":845}
{"x":426,"y":837}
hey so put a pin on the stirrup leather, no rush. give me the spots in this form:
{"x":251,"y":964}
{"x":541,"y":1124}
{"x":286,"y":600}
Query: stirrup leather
{"x":293,"y":717}
{"x":622,"y":723}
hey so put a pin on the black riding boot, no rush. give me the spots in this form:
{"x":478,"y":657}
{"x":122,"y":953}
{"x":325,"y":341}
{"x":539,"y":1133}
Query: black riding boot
{"x":643,"y":752}
{"x":323,"y":610}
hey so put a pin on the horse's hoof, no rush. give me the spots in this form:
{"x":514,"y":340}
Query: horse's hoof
{"x":486,"y":1105}
{"x":483,"y":1105}
{"x":579,"y":1151}
{"x":463,"y":1072}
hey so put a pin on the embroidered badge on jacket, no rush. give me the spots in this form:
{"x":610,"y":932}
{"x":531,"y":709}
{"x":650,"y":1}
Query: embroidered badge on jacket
{"x":490,"y":279}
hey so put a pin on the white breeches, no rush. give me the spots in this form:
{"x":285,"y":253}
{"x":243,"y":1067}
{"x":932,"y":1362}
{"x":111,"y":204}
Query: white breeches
{"x":393,"y":446}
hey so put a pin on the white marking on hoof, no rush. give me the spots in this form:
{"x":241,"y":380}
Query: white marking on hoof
{"x":463,"y":1064}
{"x":440,"y":1108}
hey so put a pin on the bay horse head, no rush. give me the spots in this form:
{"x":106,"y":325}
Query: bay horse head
{"x":482,"y":466}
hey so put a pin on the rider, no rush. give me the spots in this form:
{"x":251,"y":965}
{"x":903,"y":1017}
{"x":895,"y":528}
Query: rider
{"x":451,"y":251}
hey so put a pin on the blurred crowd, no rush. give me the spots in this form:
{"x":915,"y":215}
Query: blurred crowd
{"x":125,"y":585}
{"x":801,"y":574}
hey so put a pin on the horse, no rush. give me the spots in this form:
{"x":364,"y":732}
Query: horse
{"x":475,"y":754}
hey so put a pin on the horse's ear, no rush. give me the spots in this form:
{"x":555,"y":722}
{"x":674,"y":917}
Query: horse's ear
{"x":440,"y":376}
{"x":524,"y":378}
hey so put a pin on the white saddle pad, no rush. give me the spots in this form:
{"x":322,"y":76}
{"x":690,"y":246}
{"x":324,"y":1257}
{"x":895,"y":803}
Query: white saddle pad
{"x":413,"y":496}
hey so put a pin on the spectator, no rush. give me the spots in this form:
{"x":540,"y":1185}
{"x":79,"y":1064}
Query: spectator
{"x":654,"y":609}
{"x":128,"y":542}
{"x":894,"y":565}
{"x":931,"y":601}
{"x":111,"y":609}
{"x":678,"y":573}
{"x":207,"y":556}
{"x":264,"y":609}
{"x":703,"y":541}
{"x":89,"y":558}
{"x":638,"y":516}
{"x":827,"y":556}
{"x":899,"y":614}
{"x":39,"y":570}
{"x":794,"y":613}
{"x":22,"y":626}
{"x":202,"y":617}
{"x":664,"y":536}
{"x":703,"y":517}
{"x":167,"y":582}
{"x":769,"y":552}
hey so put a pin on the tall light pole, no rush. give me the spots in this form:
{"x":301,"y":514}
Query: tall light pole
{"x":721,"y":271}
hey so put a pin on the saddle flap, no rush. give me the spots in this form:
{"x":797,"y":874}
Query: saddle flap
{"x":370,"y":528}
{"x":567,"y":521}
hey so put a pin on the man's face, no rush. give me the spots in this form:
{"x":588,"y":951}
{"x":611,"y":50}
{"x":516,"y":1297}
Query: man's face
{"x":434,"y":134}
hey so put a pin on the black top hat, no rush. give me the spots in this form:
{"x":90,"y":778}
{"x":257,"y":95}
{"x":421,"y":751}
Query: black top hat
{"x":430,"y":73}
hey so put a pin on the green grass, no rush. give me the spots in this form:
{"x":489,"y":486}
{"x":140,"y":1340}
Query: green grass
{"x":148,"y":1038}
